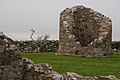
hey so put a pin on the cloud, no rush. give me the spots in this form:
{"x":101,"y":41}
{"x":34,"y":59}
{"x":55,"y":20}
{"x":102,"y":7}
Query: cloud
{"x":17,"y":17}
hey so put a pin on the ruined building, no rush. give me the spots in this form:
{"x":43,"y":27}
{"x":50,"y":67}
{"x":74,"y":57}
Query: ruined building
{"x":84,"y":32}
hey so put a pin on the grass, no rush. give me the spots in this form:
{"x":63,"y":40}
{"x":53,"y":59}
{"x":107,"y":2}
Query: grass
{"x":80,"y":65}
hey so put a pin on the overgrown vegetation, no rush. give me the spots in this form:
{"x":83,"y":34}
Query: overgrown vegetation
{"x":80,"y":65}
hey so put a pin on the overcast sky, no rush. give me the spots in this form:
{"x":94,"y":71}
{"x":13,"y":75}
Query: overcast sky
{"x":17,"y":17}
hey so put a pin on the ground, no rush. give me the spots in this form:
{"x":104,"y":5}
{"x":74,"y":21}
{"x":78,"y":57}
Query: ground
{"x":80,"y":65}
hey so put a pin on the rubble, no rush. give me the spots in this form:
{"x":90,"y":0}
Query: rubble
{"x":14,"y":67}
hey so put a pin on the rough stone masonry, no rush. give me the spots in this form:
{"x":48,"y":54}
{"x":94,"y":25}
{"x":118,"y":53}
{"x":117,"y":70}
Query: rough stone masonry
{"x":14,"y":67}
{"x":84,"y":32}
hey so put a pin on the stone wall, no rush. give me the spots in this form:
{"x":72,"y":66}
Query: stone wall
{"x":116,"y":46}
{"x":50,"y":46}
{"x":84,"y":32}
{"x":14,"y":67}
{"x":37,"y":46}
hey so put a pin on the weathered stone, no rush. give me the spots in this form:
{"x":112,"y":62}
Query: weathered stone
{"x":110,"y":77}
{"x":74,"y":76}
{"x":8,"y":55}
{"x":14,"y":67}
{"x":35,"y":46}
{"x":2,"y":48}
{"x":84,"y":32}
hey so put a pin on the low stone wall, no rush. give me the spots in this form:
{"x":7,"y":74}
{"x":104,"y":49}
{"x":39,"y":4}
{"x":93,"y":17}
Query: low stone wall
{"x":116,"y":46}
{"x":37,"y":46}
{"x":50,"y":46}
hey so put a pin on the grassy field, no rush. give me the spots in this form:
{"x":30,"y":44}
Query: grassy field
{"x":80,"y":65}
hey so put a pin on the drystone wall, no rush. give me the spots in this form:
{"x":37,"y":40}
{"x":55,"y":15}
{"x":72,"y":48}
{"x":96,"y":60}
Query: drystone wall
{"x":84,"y":32}
{"x":50,"y":46}
{"x":37,"y":46}
{"x":116,"y":46}
{"x":14,"y":67}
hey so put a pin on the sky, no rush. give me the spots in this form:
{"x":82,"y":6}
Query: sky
{"x":18,"y":17}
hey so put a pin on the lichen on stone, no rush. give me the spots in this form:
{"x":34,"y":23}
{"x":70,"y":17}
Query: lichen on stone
{"x":89,"y":28}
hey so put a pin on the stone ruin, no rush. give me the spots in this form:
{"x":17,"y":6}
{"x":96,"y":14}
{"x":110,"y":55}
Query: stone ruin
{"x":84,"y":32}
{"x":14,"y":67}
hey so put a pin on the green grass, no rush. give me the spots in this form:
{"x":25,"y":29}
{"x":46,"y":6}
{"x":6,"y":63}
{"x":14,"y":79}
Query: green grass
{"x":80,"y":65}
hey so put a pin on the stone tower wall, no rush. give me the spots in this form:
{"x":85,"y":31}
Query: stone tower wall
{"x":84,"y":32}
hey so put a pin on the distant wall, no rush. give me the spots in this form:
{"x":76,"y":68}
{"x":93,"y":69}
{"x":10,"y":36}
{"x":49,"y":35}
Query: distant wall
{"x":37,"y":46}
{"x":116,"y":46}
{"x":49,"y":46}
